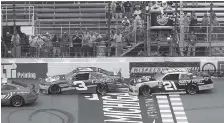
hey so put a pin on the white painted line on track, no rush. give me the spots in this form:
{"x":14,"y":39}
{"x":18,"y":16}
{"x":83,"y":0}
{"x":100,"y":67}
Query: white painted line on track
{"x":183,"y":122}
{"x":161,"y":97}
{"x":163,"y":101}
{"x":166,"y":115}
{"x":167,"y":120}
{"x":178,"y":109}
{"x":181,"y":118}
{"x":164,"y":108}
{"x":165,"y":111}
{"x":175,"y":99}
{"x":178,"y":113}
{"x":179,"y":104}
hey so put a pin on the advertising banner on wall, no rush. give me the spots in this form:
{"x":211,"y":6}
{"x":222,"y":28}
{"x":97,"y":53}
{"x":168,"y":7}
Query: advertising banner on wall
{"x":24,"y":70}
{"x":151,"y":68}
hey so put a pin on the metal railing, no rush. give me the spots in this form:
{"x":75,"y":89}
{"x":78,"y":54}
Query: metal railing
{"x":26,"y":13}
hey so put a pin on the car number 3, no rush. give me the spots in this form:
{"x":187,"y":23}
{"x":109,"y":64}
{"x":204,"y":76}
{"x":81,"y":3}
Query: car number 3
{"x":81,"y":85}
{"x":169,"y":85}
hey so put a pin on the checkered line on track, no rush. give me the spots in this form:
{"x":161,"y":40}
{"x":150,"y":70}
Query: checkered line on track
{"x":178,"y":109}
{"x":164,"y":108}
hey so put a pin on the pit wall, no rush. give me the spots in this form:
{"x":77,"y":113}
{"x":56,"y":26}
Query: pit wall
{"x":40,"y":68}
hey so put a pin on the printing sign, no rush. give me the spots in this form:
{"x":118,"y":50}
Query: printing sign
{"x":24,"y":70}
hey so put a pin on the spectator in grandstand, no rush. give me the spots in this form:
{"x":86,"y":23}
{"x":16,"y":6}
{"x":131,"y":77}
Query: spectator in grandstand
{"x":85,"y":43}
{"x":76,"y":45}
{"x":65,"y":44}
{"x":40,"y":42}
{"x":47,"y":46}
{"x":194,"y":4}
{"x":138,"y":27}
{"x":126,"y":28}
{"x":3,"y":48}
{"x":127,"y":9}
{"x":92,"y":43}
{"x":33,"y":46}
{"x":193,"y":22}
{"x":186,"y":24}
{"x":119,"y":9}
{"x":119,"y":47}
{"x":148,"y":7}
{"x":184,"y":4}
{"x":169,"y":5}
{"x":112,"y":43}
{"x":204,"y":25}
{"x":7,"y":39}
{"x":113,"y":9}
{"x":24,"y":41}
{"x":155,"y":6}
{"x":191,"y":44}
{"x":137,"y":12}
{"x":98,"y":37}
{"x":16,"y":49}
{"x":56,"y":41}
{"x":215,"y":25}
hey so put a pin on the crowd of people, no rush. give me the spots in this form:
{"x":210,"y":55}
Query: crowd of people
{"x":84,"y":43}
{"x":81,"y":44}
{"x":193,"y":31}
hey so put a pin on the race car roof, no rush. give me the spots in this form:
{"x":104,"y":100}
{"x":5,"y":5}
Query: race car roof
{"x":93,"y":69}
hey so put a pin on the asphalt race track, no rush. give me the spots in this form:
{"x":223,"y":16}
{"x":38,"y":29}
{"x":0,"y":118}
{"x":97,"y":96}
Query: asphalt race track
{"x":119,"y":107}
{"x":206,"y":107}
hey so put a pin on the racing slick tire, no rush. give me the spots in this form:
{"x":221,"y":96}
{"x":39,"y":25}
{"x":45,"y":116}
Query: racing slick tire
{"x":192,"y":89}
{"x":55,"y":89}
{"x":17,"y":101}
{"x":145,"y":90}
{"x":101,"y":89}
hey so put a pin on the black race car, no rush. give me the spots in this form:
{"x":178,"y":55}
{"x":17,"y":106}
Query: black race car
{"x":82,"y":80}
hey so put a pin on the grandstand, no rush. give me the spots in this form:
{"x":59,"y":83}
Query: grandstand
{"x":67,"y":16}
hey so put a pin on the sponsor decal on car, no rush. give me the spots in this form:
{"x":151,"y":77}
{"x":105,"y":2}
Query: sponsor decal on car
{"x":141,"y":68}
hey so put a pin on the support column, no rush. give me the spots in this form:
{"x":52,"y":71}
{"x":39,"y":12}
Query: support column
{"x":181,"y":39}
{"x":148,"y":34}
{"x":210,"y":30}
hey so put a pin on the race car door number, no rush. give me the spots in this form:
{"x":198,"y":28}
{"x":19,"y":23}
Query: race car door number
{"x":169,"y":85}
{"x":81,"y":85}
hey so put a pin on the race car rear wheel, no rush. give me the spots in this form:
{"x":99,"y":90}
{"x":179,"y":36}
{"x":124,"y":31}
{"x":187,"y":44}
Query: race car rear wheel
{"x":101,"y":89}
{"x":55,"y":89}
{"x":192,"y":89}
{"x":17,"y":101}
{"x":145,"y":90}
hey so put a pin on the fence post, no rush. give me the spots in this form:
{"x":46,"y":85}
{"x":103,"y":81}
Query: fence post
{"x":210,"y":31}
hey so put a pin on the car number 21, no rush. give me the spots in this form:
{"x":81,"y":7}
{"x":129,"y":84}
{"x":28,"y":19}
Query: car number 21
{"x":81,"y":85}
{"x":169,"y":85}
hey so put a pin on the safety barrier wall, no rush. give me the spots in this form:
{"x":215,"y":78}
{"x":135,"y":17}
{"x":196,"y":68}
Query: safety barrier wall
{"x":40,"y":68}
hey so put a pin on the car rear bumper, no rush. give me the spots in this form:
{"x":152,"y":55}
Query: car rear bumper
{"x":206,"y":87}
{"x":31,"y":100}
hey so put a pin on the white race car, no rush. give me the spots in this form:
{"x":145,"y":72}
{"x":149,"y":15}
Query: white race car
{"x":170,"y":81}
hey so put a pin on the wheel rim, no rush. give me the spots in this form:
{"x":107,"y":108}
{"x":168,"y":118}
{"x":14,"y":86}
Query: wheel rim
{"x":17,"y":101}
{"x":146,"y":91}
{"x":55,"y":90}
{"x":192,"y":90}
{"x":101,"y":89}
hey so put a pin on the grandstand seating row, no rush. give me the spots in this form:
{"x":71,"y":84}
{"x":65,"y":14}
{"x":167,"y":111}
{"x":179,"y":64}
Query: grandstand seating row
{"x":91,"y":14}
